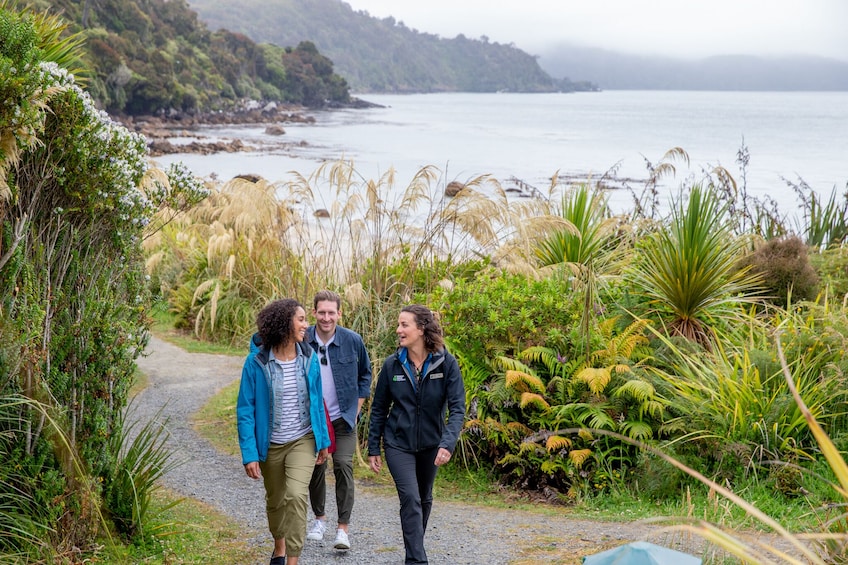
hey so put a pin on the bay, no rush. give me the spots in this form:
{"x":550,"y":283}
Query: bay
{"x":790,"y":136}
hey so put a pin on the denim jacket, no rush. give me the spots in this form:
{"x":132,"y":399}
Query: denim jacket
{"x":351,"y":369}
{"x":254,"y":409}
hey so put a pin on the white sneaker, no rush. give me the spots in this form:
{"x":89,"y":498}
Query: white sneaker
{"x":342,"y":541}
{"x":316,"y":531}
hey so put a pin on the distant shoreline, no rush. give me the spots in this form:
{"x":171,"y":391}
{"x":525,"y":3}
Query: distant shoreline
{"x":159,"y":129}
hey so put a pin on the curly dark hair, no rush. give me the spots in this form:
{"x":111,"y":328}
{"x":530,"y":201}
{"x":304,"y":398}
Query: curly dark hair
{"x":275,"y":322}
{"x":426,"y":320}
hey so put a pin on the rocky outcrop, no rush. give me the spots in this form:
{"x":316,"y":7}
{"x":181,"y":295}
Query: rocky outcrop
{"x":159,"y":129}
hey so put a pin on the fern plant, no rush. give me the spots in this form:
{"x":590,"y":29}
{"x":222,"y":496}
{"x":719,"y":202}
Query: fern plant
{"x":542,"y":391}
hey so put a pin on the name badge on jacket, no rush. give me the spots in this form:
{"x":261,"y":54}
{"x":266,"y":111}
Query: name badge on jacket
{"x":437,"y":375}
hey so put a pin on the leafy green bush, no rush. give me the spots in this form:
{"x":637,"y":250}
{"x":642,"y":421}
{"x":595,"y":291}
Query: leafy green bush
{"x":499,"y":313}
{"x":75,"y":204}
{"x":831,"y":265}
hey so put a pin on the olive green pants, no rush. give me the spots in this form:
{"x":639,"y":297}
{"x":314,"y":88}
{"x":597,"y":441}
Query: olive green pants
{"x":286,"y":473}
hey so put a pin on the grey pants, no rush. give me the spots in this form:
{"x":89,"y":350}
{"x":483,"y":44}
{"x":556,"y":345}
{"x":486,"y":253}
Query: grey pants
{"x":342,"y":470}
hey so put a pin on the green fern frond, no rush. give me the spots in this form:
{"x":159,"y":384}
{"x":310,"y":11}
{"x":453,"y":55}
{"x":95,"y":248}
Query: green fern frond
{"x":509,"y":364}
{"x":641,"y":391}
{"x":636,"y":429}
{"x":653,"y":408}
{"x":549,"y":467}
{"x":544,"y":355}
{"x":511,"y":459}
{"x":599,"y":419}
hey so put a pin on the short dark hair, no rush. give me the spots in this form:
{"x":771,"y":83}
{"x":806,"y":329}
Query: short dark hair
{"x":426,"y":320}
{"x":275,"y":322}
{"x":326,"y":296}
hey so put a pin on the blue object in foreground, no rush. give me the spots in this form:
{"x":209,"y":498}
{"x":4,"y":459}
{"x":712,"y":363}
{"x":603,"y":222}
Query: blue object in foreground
{"x":641,"y":553}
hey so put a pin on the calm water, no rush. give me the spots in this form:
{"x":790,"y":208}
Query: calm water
{"x":532,"y":136}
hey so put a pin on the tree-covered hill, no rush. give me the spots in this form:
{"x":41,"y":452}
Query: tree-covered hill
{"x":383,"y":55}
{"x":150,"y":56}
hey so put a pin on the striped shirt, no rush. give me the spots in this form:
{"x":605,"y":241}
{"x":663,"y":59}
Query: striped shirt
{"x":286,"y":426}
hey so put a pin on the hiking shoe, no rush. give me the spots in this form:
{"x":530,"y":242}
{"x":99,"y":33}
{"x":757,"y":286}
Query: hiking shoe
{"x":342,"y":541}
{"x":316,"y":531}
{"x":279,"y":560}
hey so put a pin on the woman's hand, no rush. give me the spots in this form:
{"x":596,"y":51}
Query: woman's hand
{"x":375,"y":462}
{"x":442,"y":457}
{"x":322,"y":457}
{"x":252,"y":470}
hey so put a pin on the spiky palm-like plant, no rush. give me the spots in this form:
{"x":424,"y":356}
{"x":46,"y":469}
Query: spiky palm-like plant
{"x":585,"y":246}
{"x":688,"y":269}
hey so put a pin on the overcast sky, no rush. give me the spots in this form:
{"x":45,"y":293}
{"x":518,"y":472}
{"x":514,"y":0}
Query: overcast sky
{"x":678,"y":28}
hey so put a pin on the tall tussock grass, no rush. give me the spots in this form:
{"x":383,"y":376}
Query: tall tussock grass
{"x":251,"y":241}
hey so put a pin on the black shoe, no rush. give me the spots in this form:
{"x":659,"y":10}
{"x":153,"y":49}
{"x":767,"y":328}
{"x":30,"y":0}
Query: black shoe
{"x":279,"y":560}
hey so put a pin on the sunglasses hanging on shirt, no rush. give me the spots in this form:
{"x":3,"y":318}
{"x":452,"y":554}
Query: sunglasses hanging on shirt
{"x":322,"y":350}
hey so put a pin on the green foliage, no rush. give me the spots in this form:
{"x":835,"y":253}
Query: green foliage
{"x":587,"y":232}
{"x":24,"y":523}
{"x":585,"y":247}
{"x":149,"y":57}
{"x":823,"y":224}
{"x":132,"y":482}
{"x":785,"y":271}
{"x":687,"y":270}
{"x":512,"y":313}
{"x":736,"y":406}
{"x":831,"y":266}
{"x":518,"y":414}
{"x":73,"y":299}
{"x":309,"y":77}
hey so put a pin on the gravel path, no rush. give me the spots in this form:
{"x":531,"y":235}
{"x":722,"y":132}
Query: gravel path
{"x":457,"y":534}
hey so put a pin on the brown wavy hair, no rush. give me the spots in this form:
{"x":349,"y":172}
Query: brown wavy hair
{"x":426,"y":320}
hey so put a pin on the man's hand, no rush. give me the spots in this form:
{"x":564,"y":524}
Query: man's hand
{"x":375,"y":462}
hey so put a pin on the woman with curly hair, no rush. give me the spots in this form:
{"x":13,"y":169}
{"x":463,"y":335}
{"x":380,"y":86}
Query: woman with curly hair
{"x":417,"y":385}
{"x":282,"y":427}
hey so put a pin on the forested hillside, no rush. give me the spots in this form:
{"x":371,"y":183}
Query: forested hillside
{"x":383,"y":55}
{"x":149,"y":56}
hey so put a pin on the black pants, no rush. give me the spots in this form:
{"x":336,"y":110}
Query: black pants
{"x":414,"y":474}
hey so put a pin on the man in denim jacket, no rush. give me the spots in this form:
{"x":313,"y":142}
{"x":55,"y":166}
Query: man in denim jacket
{"x":346,"y":380}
